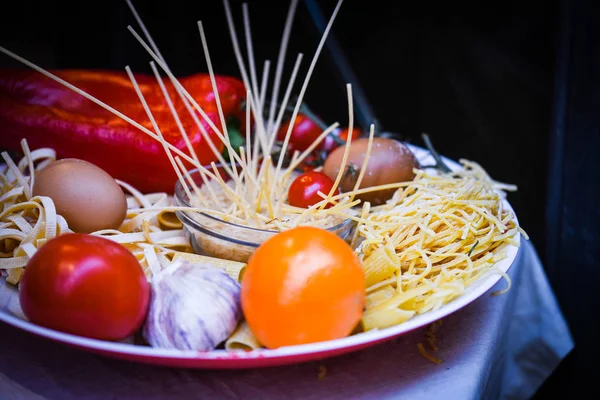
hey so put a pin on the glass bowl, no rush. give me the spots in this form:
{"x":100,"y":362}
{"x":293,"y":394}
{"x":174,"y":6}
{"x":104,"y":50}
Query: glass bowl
{"x":215,"y":237}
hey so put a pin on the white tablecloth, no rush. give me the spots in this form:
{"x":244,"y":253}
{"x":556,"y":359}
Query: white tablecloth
{"x":500,"y":347}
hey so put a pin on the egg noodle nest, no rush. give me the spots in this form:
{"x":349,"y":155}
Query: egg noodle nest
{"x":431,"y":241}
{"x":151,"y":231}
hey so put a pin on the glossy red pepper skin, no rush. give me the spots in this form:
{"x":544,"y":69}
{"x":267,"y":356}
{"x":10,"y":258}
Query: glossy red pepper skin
{"x":48,"y":114}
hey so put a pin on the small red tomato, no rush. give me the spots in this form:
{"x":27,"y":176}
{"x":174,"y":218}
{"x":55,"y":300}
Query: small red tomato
{"x":304,"y":190}
{"x":330,"y":142}
{"x":85,"y":285}
{"x":304,"y":133}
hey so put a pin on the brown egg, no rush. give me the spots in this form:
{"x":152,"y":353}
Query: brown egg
{"x":84,"y":194}
{"x":390,"y":162}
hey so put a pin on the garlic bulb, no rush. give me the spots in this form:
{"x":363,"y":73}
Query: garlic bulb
{"x":193,"y":307}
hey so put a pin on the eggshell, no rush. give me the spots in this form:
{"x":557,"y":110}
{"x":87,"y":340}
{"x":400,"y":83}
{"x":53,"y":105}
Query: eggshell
{"x":84,"y":194}
{"x":390,"y":161}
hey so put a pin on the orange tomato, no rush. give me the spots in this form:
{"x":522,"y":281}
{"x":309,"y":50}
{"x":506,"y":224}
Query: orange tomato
{"x":303,"y":285}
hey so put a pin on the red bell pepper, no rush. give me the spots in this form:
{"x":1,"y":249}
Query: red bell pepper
{"x":48,"y":114}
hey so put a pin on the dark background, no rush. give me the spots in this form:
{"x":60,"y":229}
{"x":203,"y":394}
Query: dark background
{"x":511,"y":85}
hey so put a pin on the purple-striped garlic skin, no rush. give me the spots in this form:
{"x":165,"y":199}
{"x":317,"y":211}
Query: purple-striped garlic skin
{"x":192,"y":307}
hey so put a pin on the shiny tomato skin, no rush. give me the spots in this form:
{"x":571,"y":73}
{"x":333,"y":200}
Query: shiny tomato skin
{"x":85,"y":285}
{"x":304,"y":133}
{"x":303,"y":192}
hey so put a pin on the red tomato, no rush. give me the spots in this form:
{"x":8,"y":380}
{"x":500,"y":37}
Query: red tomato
{"x":330,"y":143}
{"x":304,"y":190}
{"x":304,"y":133}
{"x":85,"y":285}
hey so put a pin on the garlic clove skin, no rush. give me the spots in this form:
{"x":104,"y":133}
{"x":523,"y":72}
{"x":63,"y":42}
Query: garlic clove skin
{"x":192,"y":307}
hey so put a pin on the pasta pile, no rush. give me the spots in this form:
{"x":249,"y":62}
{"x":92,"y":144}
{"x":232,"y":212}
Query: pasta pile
{"x":26,"y":222}
{"x":435,"y":237}
{"x":151,"y":231}
{"x":431,"y":241}
{"x":254,"y":205}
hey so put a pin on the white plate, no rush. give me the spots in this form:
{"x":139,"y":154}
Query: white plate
{"x":10,"y":313}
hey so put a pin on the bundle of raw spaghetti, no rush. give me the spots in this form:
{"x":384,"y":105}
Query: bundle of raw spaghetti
{"x":433,"y":239}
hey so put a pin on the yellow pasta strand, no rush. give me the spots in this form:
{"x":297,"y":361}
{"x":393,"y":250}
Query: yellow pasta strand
{"x":438,"y":235}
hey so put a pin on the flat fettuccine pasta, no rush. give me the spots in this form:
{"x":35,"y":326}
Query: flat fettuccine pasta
{"x":151,"y":230}
{"x":26,"y":222}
